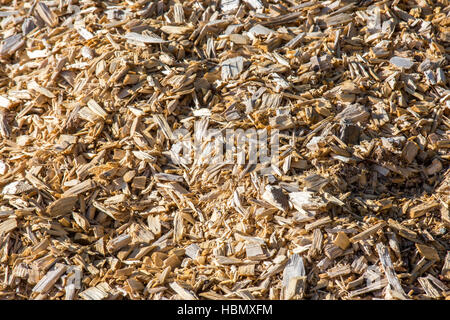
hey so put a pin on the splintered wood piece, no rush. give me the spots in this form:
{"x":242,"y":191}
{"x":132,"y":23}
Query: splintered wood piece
{"x":316,"y":246}
{"x":428,"y":252}
{"x":231,"y":68}
{"x":377,"y":285}
{"x":296,"y":286}
{"x":353,"y":113}
{"x":81,"y":221}
{"x":275,"y":197}
{"x":423,"y":208}
{"x":317,"y":224}
{"x":401,"y":62}
{"x":293,"y":268}
{"x":93,"y":293}
{"x":355,"y":283}
{"x":222,"y":260}
{"x":229,"y":5}
{"x":238,"y":39}
{"x":80,"y":188}
{"x":141,"y":234}
{"x":144,"y":38}
{"x":135,"y":285}
{"x":255,"y":4}
{"x":8,"y":226}
{"x":368,"y":232}
{"x":178,"y":13}
{"x":429,"y":289}
{"x":332,"y":251}
{"x":162,"y":122}
{"x":62,"y":206}
{"x":46,"y":14}
{"x":11,"y":45}
{"x":120,"y":198}
{"x":172,"y":261}
{"x":113,"y":213}
{"x":255,"y":252}
{"x":193,"y":251}
{"x":339,"y":271}
{"x":260,"y":30}
{"x":47,"y":282}
{"x":341,"y":240}
{"x":402,"y":230}
{"x":17,"y":187}
{"x":388,"y":267}
{"x":182,"y":292}
{"x":178,"y":227}
{"x":306,"y":201}
{"x":176,"y":29}
{"x":139,"y":182}
{"x":338,"y":19}
{"x":86,"y":114}
{"x":73,"y":282}
{"x":293,"y":43}
{"x":315,"y":63}
{"x":247,"y":270}
{"x":33,"y":85}
{"x":154,"y":224}
{"x":5,"y":102}
{"x":359,"y":265}
{"x":410,"y":151}
{"x":95,"y":108}
{"x":118,"y":242}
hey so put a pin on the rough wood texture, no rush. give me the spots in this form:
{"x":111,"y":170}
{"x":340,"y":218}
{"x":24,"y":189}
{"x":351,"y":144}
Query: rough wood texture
{"x":111,"y":185}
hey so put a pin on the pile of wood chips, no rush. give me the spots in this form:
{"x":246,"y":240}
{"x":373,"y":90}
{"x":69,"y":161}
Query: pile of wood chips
{"x":95,"y":204}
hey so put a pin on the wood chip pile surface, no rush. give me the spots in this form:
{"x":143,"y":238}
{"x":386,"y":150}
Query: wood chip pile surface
{"x":96,"y":204}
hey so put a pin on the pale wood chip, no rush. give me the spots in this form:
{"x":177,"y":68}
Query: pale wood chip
{"x":182,"y":292}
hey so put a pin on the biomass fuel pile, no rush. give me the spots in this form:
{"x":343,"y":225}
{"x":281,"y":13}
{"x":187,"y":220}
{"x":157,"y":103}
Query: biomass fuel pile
{"x":224,"y":149}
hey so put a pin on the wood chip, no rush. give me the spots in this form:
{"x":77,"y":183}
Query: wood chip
{"x":144,"y":38}
{"x":342,"y":240}
{"x":294,"y":268}
{"x":421,"y":209}
{"x":428,"y":252}
{"x":231,"y":68}
{"x":401,"y":62}
{"x":182,"y":292}
{"x":388,"y":267}
{"x":50,"y":279}
{"x":367,"y":233}
{"x":7,"y":226}
{"x":275,"y":197}
{"x":62,"y":206}
{"x":46,"y":14}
